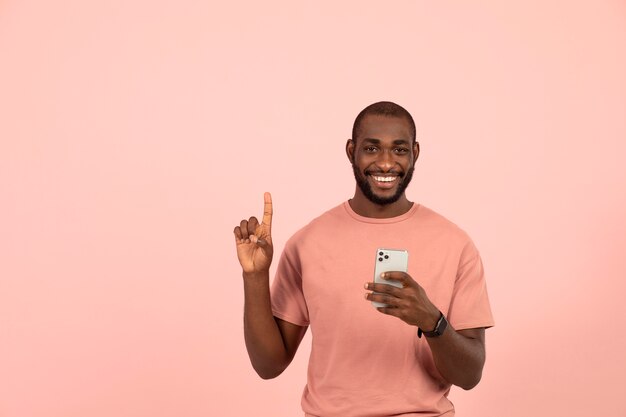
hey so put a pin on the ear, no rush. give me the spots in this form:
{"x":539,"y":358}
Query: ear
{"x":416,"y":151}
{"x":350,"y":150}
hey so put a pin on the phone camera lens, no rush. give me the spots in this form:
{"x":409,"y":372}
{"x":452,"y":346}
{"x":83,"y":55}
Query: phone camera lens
{"x":380,"y":253}
{"x":386,"y":256}
{"x":380,"y":259}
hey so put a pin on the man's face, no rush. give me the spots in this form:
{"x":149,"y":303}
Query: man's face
{"x":383,"y":158}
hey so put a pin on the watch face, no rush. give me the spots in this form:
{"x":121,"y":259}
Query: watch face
{"x":440,"y":327}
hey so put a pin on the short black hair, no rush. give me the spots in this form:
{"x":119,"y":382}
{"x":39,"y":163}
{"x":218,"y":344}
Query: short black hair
{"x":383,"y":108}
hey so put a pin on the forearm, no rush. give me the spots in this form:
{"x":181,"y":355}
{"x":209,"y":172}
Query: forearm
{"x":459,"y":356}
{"x":264,"y":341}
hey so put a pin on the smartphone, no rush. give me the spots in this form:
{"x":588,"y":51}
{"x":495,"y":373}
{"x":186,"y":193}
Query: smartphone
{"x":389,"y":260}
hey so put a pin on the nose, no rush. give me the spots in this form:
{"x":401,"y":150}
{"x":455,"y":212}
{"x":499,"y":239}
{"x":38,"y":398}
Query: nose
{"x":385,"y":160}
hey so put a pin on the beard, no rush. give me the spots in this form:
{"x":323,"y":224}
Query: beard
{"x":366,"y":188}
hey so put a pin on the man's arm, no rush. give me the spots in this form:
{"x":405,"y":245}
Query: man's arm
{"x":271,"y":342}
{"x":458,"y":355}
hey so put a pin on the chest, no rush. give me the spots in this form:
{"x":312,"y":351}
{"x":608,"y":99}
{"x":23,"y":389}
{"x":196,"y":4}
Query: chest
{"x":333,"y":276}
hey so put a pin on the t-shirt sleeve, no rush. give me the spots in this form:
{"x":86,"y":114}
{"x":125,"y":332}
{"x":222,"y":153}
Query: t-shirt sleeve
{"x":470,"y":306}
{"x":288,"y":302}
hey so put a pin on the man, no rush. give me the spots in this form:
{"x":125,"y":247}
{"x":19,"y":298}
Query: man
{"x":368,"y":361}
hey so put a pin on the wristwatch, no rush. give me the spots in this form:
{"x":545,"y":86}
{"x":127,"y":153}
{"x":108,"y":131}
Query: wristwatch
{"x":440,"y":327}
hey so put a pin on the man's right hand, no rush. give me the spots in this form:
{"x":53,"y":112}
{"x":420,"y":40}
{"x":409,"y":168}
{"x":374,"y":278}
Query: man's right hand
{"x":254,"y":241}
{"x":271,"y":342}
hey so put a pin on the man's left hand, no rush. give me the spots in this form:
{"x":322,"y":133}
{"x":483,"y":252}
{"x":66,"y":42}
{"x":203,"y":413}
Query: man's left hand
{"x":409,"y":303}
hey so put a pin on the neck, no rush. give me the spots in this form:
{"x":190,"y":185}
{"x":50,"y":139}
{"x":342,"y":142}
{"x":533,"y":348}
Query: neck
{"x":364,"y":207}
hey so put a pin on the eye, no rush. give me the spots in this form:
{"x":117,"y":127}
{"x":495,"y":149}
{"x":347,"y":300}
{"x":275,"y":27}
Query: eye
{"x":401,"y":151}
{"x":370,"y":149}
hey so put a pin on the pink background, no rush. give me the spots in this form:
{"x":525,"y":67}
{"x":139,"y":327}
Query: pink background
{"x":134,"y":135}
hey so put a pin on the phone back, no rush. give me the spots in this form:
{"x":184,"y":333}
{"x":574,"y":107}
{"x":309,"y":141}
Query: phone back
{"x":389,"y":260}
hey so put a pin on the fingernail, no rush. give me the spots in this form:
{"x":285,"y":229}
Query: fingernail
{"x":367,"y":286}
{"x":383,"y":275}
{"x":365,"y":295}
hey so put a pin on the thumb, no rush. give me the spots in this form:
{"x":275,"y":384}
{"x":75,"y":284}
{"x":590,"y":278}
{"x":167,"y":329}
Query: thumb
{"x":260,"y":242}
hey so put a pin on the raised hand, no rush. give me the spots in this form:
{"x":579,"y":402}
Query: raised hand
{"x":254,"y":241}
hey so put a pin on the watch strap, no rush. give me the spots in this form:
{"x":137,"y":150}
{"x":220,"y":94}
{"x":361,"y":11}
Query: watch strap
{"x":440,"y":327}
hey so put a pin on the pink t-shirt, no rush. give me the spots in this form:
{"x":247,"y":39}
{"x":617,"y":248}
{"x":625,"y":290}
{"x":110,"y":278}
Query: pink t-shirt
{"x":365,"y":363}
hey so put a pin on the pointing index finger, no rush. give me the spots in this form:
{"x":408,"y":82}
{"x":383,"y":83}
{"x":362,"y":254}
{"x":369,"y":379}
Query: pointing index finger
{"x":267,"y":210}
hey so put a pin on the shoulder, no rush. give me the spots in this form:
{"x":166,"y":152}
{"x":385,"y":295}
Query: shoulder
{"x":319,"y":227}
{"x":439,"y":227}
{"x":436,"y":220}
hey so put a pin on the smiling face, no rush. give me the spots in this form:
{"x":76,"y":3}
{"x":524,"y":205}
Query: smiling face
{"x":383,"y":157}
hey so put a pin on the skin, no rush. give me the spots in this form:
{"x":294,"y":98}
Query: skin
{"x":271,"y":342}
{"x":384,"y":147}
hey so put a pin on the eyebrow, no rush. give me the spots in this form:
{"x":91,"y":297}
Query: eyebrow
{"x":395,"y":142}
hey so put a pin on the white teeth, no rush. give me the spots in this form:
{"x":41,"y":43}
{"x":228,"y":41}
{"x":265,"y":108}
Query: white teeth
{"x":385,"y":179}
